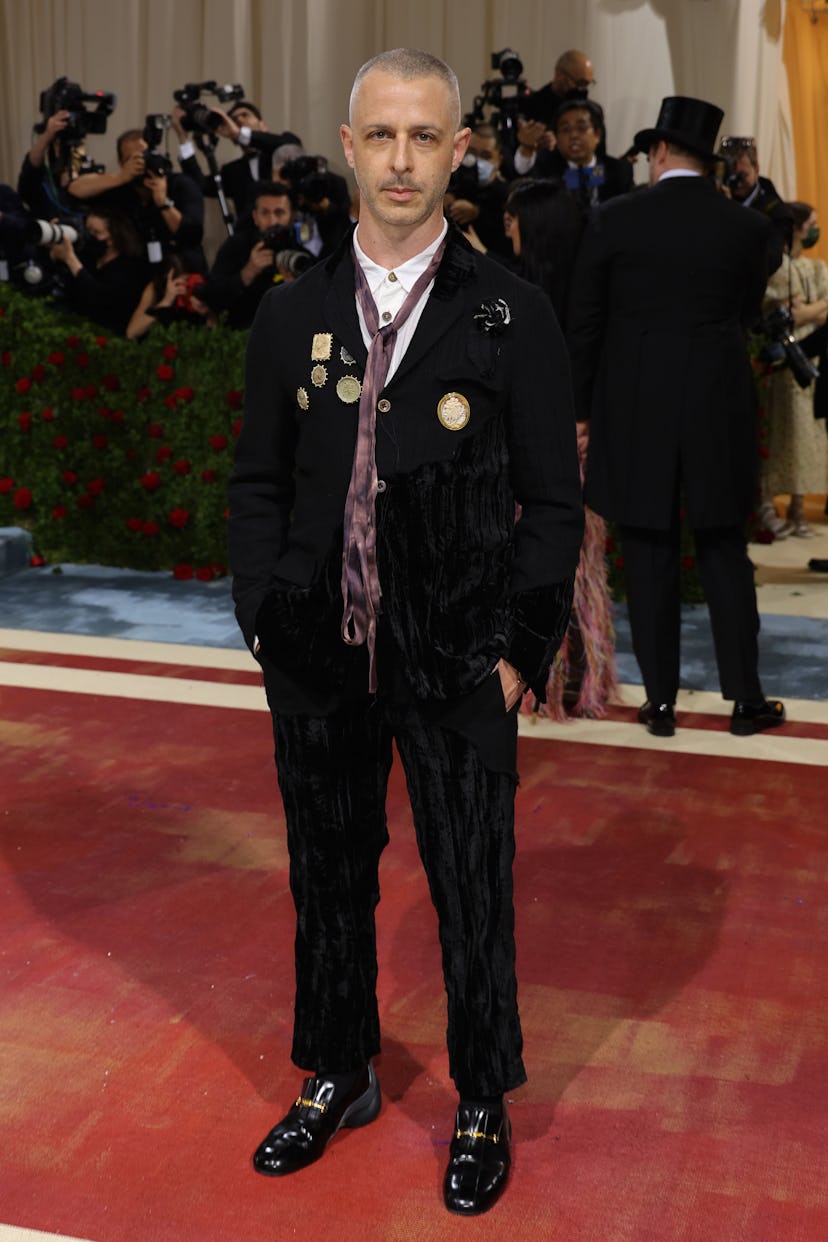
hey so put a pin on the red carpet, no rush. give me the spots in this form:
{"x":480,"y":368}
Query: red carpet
{"x":672,"y":953}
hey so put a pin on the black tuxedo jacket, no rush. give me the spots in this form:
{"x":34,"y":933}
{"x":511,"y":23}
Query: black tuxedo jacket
{"x":664,"y":281}
{"x":462,"y":583}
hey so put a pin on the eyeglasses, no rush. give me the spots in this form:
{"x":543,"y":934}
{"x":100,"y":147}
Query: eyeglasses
{"x":737,"y":144}
{"x":583,"y":127}
{"x":583,"y":84}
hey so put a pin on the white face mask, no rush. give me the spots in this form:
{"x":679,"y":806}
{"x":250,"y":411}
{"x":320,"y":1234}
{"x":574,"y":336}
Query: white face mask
{"x":484,"y":171}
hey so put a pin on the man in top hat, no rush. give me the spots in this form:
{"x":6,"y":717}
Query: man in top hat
{"x":665,"y":282}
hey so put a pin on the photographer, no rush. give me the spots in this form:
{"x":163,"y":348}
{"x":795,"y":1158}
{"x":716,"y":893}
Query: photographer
{"x":322,"y":200}
{"x":166,"y":208}
{"x":744,"y":184}
{"x":579,"y":131}
{"x":106,"y":283}
{"x":171,"y":296}
{"x":243,"y":125}
{"x":477,"y":191}
{"x":256,"y":258}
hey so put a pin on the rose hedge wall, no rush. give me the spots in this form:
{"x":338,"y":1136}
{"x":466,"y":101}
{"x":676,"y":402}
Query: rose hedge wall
{"x":114,"y":452}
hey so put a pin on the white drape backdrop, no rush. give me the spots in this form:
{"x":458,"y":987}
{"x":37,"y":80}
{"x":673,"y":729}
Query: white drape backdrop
{"x":297,"y":58}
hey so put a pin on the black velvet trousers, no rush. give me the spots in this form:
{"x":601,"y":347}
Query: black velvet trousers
{"x":333,"y":773}
{"x":652,"y":573}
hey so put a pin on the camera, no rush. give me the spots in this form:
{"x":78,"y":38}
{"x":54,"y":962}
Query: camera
{"x":308,"y":175}
{"x":282,"y":241}
{"x":67,"y":96}
{"x":45,"y":233}
{"x":783,"y":349}
{"x":504,"y":95}
{"x":156,"y":125}
{"x":197,"y":116}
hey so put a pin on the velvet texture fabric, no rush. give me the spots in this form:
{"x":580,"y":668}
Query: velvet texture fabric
{"x":333,"y":773}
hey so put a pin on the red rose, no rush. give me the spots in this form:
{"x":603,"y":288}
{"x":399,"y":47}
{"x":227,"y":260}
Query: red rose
{"x":78,"y":394}
{"x":218,"y":443}
{"x":95,"y":486}
{"x":38,"y":372}
{"x":134,"y":523}
{"x":164,"y":372}
{"x":73,"y":341}
{"x":204,"y":573}
{"x":155,"y":430}
{"x":6,"y":485}
{"x":183,"y":572}
{"x":7,"y":358}
{"x":143,"y":394}
{"x":70,"y":478}
{"x":237,"y":426}
{"x":101,"y":340}
{"x":151,"y":480}
{"x":688,"y":562}
{"x":22,"y":498}
{"x":209,"y":476}
{"x":85,"y":502}
{"x":763,"y":450}
{"x":24,"y":384}
{"x":100,"y":441}
{"x":47,"y":415}
{"x":117,"y":416}
{"x":218,"y":571}
{"x":619,"y":562}
{"x":36,"y":561}
{"x":56,"y":358}
{"x":169,"y":352}
{"x":104,"y":411}
{"x":111,"y":383}
{"x":150,"y":528}
{"x":234,"y":399}
{"x":182,"y":466}
{"x":178,"y":518}
{"x":24,"y":420}
{"x":60,"y":442}
{"x":171,"y":401}
{"x":59,"y":512}
{"x":162,"y":453}
{"x":90,"y":391}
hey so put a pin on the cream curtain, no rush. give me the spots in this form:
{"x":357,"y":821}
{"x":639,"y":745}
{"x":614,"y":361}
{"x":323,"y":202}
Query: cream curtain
{"x":297,"y":58}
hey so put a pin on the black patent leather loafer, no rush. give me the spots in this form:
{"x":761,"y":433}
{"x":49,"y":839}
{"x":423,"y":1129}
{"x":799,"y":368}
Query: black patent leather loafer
{"x":749,"y":718}
{"x":660,"y":718}
{"x":301,"y":1136}
{"x":479,"y":1161}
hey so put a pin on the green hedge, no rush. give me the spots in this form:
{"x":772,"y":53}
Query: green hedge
{"x":115,"y":452}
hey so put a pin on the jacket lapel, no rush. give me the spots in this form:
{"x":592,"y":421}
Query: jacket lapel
{"x":339,"y":306}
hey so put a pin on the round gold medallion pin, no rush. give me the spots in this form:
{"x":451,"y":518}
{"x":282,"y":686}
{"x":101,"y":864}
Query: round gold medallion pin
{"x":348,"y":389}
{"x":453,"y":411}
{"x":302,"y":399}
{"x":319,"y":375}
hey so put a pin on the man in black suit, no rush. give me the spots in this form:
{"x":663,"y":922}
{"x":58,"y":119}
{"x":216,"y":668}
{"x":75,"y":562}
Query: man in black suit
{"x":397,"y":407}
{"x":664,"y":283}
{"x":591,"y":178}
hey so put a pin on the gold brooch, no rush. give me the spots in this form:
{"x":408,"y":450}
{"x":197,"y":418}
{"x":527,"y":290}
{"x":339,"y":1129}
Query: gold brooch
{"x":319,"y":375}
{"x":302,"y":399}
{"x":322,"y":346}
{"x":453,"y":411}
{"x":348,"y":389}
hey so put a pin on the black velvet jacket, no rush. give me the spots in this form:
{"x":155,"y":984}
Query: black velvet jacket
{"x":462,"y":582}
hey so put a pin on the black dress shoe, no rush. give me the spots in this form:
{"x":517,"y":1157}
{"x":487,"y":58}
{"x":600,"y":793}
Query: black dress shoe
{"x":818,"y":565}
{"x":751,"y":718}
{"x":300,"y":1138}
{"x":660,"y":718}
{"x":479,"y":1160}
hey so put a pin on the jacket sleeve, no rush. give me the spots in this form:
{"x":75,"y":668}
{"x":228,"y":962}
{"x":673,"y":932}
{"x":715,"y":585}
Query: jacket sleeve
{"x":546,"y":482}
{"x":261,"y":489}
{"x":587,"y":315}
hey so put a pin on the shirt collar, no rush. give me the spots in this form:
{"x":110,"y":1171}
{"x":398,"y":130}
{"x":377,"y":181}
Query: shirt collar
{"x":407,"y":273}
{"x":678,"y":172}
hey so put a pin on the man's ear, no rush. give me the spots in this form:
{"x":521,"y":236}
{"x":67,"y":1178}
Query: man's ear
{"x":347,"y":139}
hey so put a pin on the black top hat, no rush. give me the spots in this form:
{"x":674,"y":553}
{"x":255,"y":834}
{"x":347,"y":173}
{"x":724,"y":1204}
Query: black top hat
{"x":689,"y":123}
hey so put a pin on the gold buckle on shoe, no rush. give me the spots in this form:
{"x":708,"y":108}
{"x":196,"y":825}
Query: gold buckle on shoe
{"x":477,"y":1134}
{"x":301,"y":1102}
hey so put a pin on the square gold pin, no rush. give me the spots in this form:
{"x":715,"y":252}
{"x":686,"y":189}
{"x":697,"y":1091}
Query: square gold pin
{"x":322,"y":346}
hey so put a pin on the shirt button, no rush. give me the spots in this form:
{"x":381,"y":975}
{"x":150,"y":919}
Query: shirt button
{"x":383,"y":405}
{"x":392,"y":276}
{"x":381,"y":485}
{"x":386,"y":315}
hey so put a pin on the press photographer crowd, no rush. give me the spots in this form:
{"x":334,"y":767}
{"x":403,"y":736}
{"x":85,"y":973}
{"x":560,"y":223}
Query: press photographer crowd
{"x":123,"y":246}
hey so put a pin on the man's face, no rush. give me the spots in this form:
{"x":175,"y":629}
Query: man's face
{"x":243,"y":116}
{"x":403,"y":148}
{"x":747,"y":175}
{"x":132,"y":146}
{"x":579,"y":74}
{"x":270,"y":210}
{"x":577,"y":140}
{"x":484,"y":147}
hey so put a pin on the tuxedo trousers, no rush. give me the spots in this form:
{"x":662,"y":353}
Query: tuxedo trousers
{"x":652,"y":571}
{"x":333,"y":774}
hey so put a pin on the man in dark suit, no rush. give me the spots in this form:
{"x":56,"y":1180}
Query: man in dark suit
{"x":397,"y":407}
{"x":591,"y":177}
{"x":665,"y":281}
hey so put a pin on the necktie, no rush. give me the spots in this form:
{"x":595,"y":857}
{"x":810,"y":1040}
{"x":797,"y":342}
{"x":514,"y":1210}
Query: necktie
{"x":360,"y":579}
